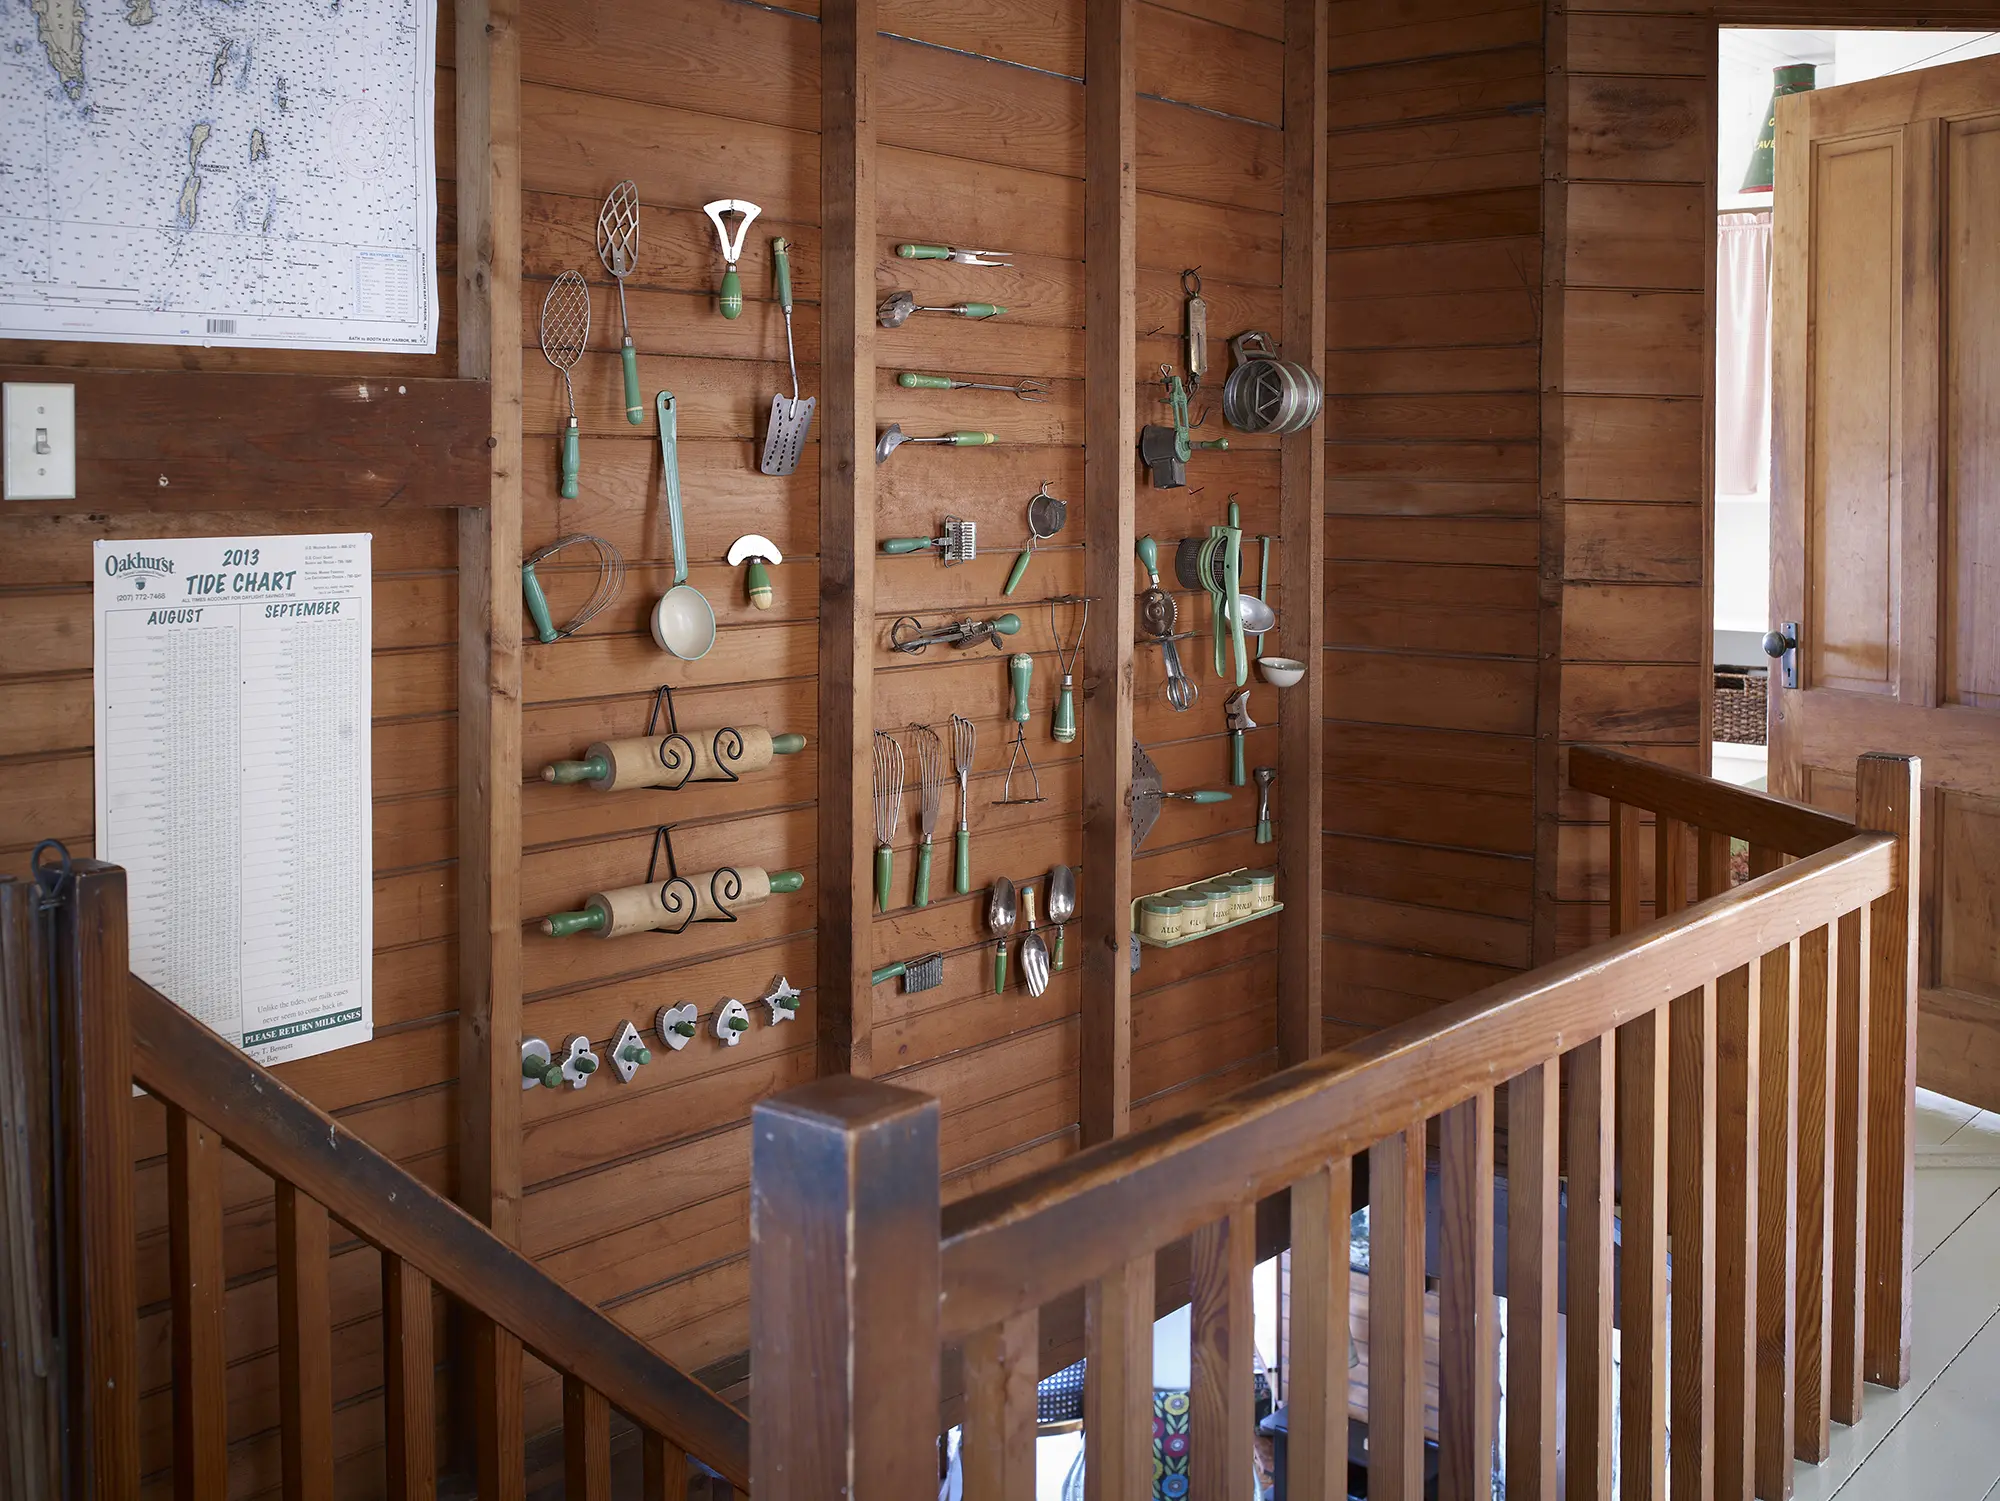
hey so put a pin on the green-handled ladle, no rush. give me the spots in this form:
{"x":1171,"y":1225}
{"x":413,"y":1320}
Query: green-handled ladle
{"x":893,"y":437}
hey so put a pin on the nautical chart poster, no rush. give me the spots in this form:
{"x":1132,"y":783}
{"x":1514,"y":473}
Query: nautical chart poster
{"x":233,"y":779}
{"x":259,"y":175}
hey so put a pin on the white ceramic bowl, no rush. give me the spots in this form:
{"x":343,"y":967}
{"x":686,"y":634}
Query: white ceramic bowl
{"x":1281,"y":672}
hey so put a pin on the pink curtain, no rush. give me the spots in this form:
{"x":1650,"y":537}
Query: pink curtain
{"x":1742,"y":352}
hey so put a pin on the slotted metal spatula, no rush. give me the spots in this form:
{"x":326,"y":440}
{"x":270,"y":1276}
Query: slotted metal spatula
{"x":791,"y":416}
{"x":618,"y":248}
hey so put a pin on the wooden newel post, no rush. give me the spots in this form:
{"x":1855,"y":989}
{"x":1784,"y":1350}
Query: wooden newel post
{"x":103,"y":1306}
{"x":844,"y":1275}
{"x":1887,"y":799}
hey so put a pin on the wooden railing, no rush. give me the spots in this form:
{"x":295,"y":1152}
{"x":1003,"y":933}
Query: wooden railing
{"x":1731,"y":1079}
{"x":115,"y":1031}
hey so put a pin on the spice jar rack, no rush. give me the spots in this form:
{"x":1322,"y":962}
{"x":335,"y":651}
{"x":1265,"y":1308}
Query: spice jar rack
{"x":1161,"y":930}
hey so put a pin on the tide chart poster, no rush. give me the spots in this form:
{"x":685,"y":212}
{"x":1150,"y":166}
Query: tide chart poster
{"x":233,"y":779}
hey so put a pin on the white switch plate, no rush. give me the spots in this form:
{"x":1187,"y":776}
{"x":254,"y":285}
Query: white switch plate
{"x":38,"y":418}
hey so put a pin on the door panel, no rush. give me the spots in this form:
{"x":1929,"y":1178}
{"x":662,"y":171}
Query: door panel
{"x":1886,"y":497}
{"x":1970,"y":628}
{"x":1852,"y":512}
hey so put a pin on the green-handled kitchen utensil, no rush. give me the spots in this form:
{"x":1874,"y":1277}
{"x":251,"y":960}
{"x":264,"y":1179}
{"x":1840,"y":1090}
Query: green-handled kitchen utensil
{"x":1021,"y":679}
{"x":791,"y":416}
{"x":1236,"y":718}
{"x":565,"y":331}
{"x":1062,"y":903}
{"x":683,"y":621}
{"x":1148,"y":792}
{"x":610,"y":574}
{"x":952,"y":253}
{"x":1034,"y":948}
{"x":618,"y":248}
{"x":1000,"y":913}
{"x":964,"y":744}
{"x":1027,"y":388}
{"x":1046,"y":516}
{"x":925,"y":972}
{"x":1063,"y":730}
{"x":725,"y":213}
{"x":894,"y":310}
{"x":1266,"y":775}
{"x":893,"y":437}
{"x":888,"y":812}
{"x":930,"y":788}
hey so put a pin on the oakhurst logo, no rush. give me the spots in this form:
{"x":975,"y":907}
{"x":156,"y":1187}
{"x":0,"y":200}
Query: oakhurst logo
{"x":138,"y":566}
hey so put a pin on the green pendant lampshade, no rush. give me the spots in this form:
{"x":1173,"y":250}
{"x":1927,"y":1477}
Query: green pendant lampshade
{"x":1793,"y":78}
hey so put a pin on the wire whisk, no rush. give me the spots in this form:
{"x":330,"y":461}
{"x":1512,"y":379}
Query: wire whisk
{"x":888,"y":812}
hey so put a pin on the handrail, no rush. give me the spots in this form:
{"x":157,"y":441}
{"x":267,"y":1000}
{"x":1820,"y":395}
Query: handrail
{"x":1773,"y":822}
{"x":183,"y":1062}
{"x":1016,"y":1247}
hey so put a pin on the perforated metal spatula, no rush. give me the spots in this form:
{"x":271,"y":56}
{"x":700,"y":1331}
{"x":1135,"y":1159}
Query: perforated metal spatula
{"x":618,"y":248}
{"x":791,"y":416}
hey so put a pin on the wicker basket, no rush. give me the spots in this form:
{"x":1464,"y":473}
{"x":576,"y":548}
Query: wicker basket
{"x":1739,"y":704}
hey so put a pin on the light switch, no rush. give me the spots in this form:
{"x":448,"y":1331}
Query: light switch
{"x":41,"y":442}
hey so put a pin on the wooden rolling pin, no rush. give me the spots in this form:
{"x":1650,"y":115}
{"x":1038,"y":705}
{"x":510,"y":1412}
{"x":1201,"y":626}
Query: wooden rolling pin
{"x":663,"y":761}
{"x":644,"y":909}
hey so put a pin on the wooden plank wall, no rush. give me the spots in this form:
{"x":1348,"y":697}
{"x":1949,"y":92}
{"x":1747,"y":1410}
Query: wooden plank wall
{"x":1630,"y":367}
{"x":1432,"y":604}
{"x":397,"y":1091}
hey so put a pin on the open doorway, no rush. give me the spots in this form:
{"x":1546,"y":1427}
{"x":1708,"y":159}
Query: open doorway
{"x":1754,"y":62}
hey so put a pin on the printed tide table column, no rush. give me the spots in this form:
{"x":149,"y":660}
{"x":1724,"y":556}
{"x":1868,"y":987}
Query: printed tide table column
{"x":233,"y":779}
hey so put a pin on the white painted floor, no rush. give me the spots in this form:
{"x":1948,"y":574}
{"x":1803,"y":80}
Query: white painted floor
{"x":1938,"y":1438}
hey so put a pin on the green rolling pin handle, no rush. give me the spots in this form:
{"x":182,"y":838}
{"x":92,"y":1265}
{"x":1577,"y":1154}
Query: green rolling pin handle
{"x":1149,"y":558}
{"x":538,"y":605}
{"x":1018,"y":572}
{"x":1063,"y":730}
{"x":924,"y":252}
{"x":961,"y":861}
{"x":730,"y":302}
{"x":1236,"y":777}
{"x":1263,"y":831}
{"x":572,"y":458}
{"x":569,"y":773}
{"x":980,"y":309}
{"x":787,"y":745}
{"x":563,"y":924}
{"x":635,"y":409}
{"x":1000,"y":967}
{"x":910,"y":380}
{"x":908,"y":544}
{"x":885,"y":872}
{"x":923,"y":893}
{"x":1020,"y":677}
{"x":889,"y":972}
{"x":971,"y":440}
{"x":785,"y":882}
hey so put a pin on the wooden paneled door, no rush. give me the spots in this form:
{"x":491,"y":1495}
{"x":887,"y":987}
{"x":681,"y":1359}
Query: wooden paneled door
{"x":1886,"y":487}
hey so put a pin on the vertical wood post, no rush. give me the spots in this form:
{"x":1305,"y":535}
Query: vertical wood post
{"x":1396,"y":1316}
{"x":409,"y":1372}
{"x":29,"y":1460}
{"x":1468,"y":1342}
{"x":1777,"y":1216}
{"x":200,"y":1336}
{"x":1816,"y":1072}
{"x":1222,"y":1328}
{"x":1590,"y":1073}
{"x":305,"y":1346}
{"x":1302,"y":526}
{"x":1691,"y":1219}
{"x":1850,"y":1158}
{"x":1887,"y":790}
{"x":1643,"y":1062}
{"x":1736,"y":1094}
{"x":998,"y":1449}
{"x":1533,"y":1133}
{"x":488,"y":73}
{"x":103,"y":1363}
{"x":848,"y":254}
{"x":1118,"y":1383}
{"x":1322,"y":1213}
{"x":845,"y":1270}
{"x":1110,"y":429}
